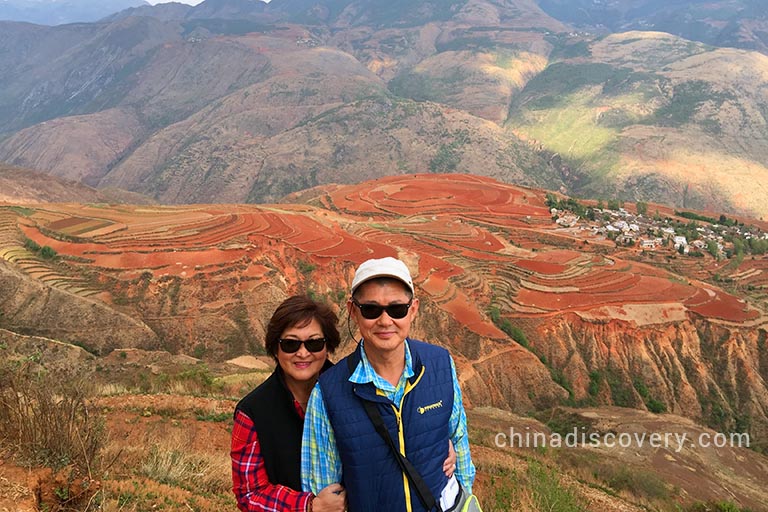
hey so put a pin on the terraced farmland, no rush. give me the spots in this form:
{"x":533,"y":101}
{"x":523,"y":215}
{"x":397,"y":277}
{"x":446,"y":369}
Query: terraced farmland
{"x":495,"y":276}
{"x":471,"y":241}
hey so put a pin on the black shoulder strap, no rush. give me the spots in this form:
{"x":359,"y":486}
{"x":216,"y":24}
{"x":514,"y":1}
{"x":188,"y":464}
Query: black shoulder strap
{"x":425,"y":495}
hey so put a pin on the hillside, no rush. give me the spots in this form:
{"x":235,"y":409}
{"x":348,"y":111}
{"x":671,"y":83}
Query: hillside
{"x":536,"y":314}
{"x":22,"y":186}
{"x":167,"y":421}
{"x":648,"y":116}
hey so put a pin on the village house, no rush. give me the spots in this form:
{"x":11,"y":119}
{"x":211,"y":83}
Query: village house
{"x":680,"y":241}
{"x":567,"y":221}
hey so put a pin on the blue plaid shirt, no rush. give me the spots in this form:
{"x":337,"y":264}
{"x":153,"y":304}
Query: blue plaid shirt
{"x":320,"y":463}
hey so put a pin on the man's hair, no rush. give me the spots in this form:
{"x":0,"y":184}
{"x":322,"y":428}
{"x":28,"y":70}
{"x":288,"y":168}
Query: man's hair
{"x":381,"y":281}
{"x":299,"y":311}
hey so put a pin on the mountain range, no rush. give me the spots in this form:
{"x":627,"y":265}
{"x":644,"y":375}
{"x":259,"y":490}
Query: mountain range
{"x":739,"y":23}
{"x":244,"y":101}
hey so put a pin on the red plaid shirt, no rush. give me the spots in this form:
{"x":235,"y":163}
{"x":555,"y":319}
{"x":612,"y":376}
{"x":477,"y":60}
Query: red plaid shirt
{"x":250,"y":483}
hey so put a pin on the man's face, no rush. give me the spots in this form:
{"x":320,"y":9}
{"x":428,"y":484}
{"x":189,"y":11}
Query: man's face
{"x":384,"y":333}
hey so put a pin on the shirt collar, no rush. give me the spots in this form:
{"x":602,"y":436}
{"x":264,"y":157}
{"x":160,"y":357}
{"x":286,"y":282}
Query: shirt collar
{"x":364,"y":373}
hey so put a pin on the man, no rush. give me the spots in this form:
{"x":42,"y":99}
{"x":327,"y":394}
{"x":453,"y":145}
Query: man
{"x":413,"y":385}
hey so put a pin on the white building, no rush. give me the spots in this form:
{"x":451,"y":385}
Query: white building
{"x":621,"y":225}
{"x":567,"y":220}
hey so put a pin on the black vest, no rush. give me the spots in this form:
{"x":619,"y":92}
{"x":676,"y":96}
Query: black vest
{"x":279,"y":427}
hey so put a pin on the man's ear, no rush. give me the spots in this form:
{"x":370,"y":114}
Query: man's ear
{"x":414,"y":307}
{"x":350,"y":308}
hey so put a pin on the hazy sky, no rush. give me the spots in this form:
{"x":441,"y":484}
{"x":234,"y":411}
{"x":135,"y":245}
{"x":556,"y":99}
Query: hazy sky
{"x":190,"y":2}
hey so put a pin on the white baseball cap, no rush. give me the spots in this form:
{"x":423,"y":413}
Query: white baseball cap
{"x":383,"y":267}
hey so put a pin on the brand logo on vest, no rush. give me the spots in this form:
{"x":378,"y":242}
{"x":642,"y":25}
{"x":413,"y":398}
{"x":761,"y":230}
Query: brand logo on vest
{"x":426,"y":408}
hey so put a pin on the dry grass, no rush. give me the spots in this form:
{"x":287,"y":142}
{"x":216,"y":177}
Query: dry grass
{"x":166,"y":459}
{"x":13,"y":490}
{"x":240,"y":384}
{"x":112,"y":389}
{"x":201,"y":472}
{"x":46,"y":420}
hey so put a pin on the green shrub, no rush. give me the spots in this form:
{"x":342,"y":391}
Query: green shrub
{"x":595,"y":378}
{"x":537,"y":488}
{"x":305,"y":267}
{"x":639,"y":482}
{"x":621,"y":392}
{"x":44,"y":252}
{"x":47,"y":253}
{"x":213,"y":416}
{"x":506,"y":326}
{"x":656,"y":406}
{"x":559,"y":377}
{"x":31,"y":245}
{"x":549,"y":493}
{"x":21,"y":210}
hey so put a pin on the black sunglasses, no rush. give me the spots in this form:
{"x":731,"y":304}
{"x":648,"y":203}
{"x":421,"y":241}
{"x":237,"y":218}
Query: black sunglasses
{"x":372,"y":311}
{"x":290,"y":345}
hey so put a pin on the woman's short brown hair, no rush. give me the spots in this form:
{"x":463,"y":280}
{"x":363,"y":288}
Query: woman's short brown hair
{"x":298,"y":311}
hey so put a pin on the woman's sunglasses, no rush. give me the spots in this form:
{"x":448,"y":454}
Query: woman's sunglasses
{"x":373,"y":311}
{"x":290,"y":345}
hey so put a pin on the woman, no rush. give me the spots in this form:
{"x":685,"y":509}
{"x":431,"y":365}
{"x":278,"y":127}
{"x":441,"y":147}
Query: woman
{"x":266,"y":437}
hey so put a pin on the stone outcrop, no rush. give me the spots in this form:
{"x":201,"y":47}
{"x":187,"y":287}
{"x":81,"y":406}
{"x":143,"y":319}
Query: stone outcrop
{"x":695,"y":368}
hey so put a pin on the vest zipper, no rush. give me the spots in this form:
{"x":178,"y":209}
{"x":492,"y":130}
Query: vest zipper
{"x":401,"y":438}
{"x":401,"y":442}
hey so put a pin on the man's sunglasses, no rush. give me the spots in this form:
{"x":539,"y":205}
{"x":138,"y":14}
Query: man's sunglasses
{"x":373,"y":311}
{"x":290,"y":345}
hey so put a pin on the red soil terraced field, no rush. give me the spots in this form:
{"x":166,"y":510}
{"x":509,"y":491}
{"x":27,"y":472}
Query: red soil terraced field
{"x":472,"y":244}
{"x":752,"y":273}
{"x":474,"y":197}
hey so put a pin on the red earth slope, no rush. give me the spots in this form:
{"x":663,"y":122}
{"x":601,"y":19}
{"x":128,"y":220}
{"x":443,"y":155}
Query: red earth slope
{"x":597,"y":325}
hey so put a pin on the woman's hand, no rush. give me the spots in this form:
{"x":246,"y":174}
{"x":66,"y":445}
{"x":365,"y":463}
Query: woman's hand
{"x":331,"y":499}
{"x":449,"y":466}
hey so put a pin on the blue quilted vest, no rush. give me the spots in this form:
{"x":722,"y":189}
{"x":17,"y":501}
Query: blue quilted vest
{"x":371,"y":475}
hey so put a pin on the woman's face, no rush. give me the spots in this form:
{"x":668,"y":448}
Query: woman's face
{"x":302,"y":366}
